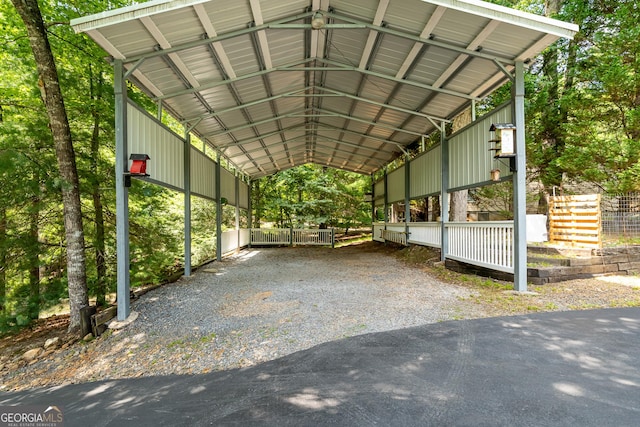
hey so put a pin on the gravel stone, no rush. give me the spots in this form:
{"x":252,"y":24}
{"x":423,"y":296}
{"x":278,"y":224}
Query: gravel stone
{"x":258,"y":305}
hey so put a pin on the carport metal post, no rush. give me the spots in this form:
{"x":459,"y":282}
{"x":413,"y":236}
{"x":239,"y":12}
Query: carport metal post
{"x":187,"y":203}
{"x":249,"y":209}
{"x":407,"y":197}
{"x":374,"y":217}
{"x":444,"y":195}
{"x":122,"y":192}
{"x":519,"y":185}
{"x":386,"y":200}
{"x":218,"y":210}
{"x":237,"y":222}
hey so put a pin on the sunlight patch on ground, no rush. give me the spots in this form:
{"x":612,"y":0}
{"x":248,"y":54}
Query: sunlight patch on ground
{"x":310,"y":399}
{"x":570,"y":389}
{"x":631,"y":281}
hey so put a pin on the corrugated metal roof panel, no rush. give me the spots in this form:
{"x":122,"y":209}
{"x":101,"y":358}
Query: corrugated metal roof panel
{"x":259,"y":84}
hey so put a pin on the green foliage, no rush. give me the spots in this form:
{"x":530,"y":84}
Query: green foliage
{"x":583,"y":115}
{"x":313,"y":196}
{"x":32,"y":239}
{"x":584,"y":110}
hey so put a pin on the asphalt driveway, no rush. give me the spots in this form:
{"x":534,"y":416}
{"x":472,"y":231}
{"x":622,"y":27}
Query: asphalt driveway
{"x":579,"y":368}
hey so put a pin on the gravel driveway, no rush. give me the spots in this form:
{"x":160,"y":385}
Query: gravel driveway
{"x":255,"y":306}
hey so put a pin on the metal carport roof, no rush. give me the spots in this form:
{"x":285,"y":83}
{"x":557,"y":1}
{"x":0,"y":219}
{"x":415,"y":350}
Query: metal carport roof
{"x":342,"y":83}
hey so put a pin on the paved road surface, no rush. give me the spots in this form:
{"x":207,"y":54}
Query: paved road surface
{"x":577,"y":368}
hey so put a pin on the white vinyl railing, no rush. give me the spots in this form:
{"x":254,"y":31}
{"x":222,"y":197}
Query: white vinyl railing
{"x":270,"y":236}
{"x":425,"y":233}
{"x":233,"y":240}
{"x":312,"y":237}
{"x":289,"y":236}
{"x":486,"y":244}
{"x":230,"y":241}
{"x":394,"y":236}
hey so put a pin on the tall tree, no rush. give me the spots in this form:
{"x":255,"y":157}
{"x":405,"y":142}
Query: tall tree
{"x":99,"y":241}
{"x":48,"y":82}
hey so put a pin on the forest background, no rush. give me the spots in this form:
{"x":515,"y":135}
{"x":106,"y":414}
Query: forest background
{"x":583,"y":127}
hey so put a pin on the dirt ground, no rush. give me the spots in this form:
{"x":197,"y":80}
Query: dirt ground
{"x":487,"y":296}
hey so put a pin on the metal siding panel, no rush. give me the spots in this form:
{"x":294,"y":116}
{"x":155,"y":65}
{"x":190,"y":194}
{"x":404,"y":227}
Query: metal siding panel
{"x":147,"y":136}
{"x":228,"y":186}
{"x":470,"y":160}
{"x":203,"y":175}
{"x":243,"y":203}
{"x":379,"y":190}
{"x":425,"y":173}
{"x":395,"y":185}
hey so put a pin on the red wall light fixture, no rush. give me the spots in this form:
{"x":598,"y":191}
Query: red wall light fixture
{"x":138,"y":168}
{"x":139,"y":164}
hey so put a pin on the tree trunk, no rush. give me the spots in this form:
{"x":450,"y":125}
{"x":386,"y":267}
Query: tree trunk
{"x":3,"y":262}
{"x":33,"y":253}
{"x":437,"y":208}
{"x":458,"y":202}
{"x":101,"y":269}
{"x":59,"y":124}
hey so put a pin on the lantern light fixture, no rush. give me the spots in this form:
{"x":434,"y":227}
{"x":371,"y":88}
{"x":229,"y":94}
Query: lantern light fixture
{"x":317,"y":21}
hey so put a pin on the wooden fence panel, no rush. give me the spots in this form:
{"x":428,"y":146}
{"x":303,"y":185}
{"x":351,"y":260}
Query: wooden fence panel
{"x":575,"y":221}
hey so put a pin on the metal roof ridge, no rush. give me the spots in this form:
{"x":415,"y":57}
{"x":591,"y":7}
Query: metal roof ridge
{"x":511,"y":16}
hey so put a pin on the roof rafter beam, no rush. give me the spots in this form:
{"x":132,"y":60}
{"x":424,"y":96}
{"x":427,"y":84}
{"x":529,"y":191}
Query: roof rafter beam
{"x":357,"y":24}
{"x":320,"y":138}
{"x":219,"y":37}
{"x":474,"y":45}
{"x":264,"y":135}
{"x":329,"y":113}
{"x":246,"y":105}
{"x":380,"y":104}
{"x":435,"y":18}
{"x":217,"y":47}
{"x":379,"y":162}
{"x":157,"y":35}
{"x":358,"y":134}
{"x":322,"y":126}
{"x":397,"y":80}
{"x":250,"y":125}
{"x":373,"y":35}
{"x":275,"y":144}
{"x":236,"y":79}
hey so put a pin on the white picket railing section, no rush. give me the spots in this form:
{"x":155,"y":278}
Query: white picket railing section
{"x":394,"y":236}
{"x":425,"y":233}
{"x":486,"y":244}
{"x":295,"y":236}
{"x":313,"y":237}
{"x":270,"y":236}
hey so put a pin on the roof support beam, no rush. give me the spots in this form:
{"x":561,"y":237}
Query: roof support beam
{"x":248,"y":104}
{"x":321,"y":126}
{"x":320,"y":138}
{"x":329,"y":113}
{"x":236,"y":79}
{"x":220,"y":37}
{"x":397,"y":80}
{"x":429,"y":117}
{"x":373,"y":35}
{"x":417,"y":46}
